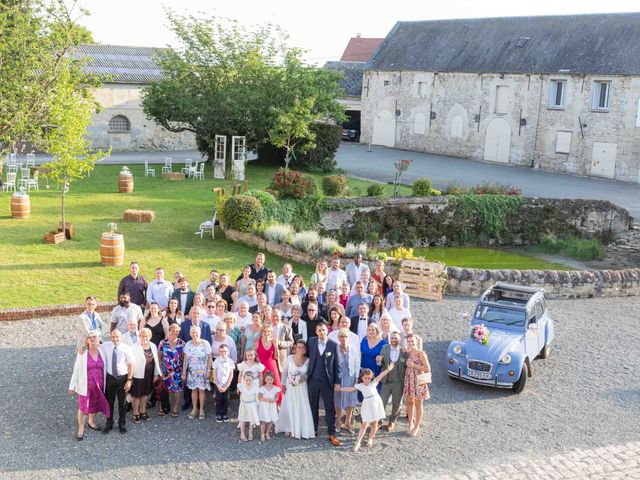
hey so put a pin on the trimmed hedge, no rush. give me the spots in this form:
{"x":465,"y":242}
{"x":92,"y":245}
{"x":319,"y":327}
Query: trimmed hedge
{"x":422,"y":187}
{"x":242,"y":213}
{"x":374,"y":190}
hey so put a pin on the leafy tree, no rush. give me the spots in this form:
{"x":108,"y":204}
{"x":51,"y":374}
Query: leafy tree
{"x":37,"y":39}
{"x":228,"y":80}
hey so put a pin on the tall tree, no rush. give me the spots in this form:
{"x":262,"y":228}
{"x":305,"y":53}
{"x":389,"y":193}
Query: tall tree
{"x":225,"y":79}
{"x":36,"y":41}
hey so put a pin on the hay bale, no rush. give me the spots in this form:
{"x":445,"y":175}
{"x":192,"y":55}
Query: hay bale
{"x":173,"y":176}
{"x":140,"y":216}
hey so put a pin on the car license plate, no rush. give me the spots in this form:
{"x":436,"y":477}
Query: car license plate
{"x":479,"y":375}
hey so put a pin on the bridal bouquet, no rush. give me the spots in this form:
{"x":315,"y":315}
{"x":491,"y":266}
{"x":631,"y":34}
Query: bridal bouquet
{"x":294,"y":378}
{"x":480,"y":334}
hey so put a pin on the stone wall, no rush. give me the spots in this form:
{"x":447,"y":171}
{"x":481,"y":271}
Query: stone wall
{"x":588,"y":218}
{"x":9,"y":314}
{"x":458,"y":114}
{"x":557,"y":284}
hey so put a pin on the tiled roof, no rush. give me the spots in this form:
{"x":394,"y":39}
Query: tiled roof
{"x":352,"y":81}
{"x":122,"y":64}
{"x":360,"y":49}
{"x":590,"y":44}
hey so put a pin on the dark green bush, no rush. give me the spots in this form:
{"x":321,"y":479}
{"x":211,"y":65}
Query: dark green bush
{"x":292,"y":183}
{"x":334,"y":185}
{"x":242,"y":213}
{"x":422,"y":187}
{"x":322,"y":156}
{"x":375,"y":190}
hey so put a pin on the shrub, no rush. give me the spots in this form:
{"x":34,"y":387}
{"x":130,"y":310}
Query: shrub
{"x":322,"y":156}
{"x":422,"y":187}
{"x":278,"y":233}
{"x":402,"y":253}
{"x":350,"y":249}
{"x":305,"y":240}
{"x":292,"y":183}
{"x":327,"y":246}
{"x":334,"y":185}
{"x":572,"y":247}
{"x":267,"y":200}
{"x":375,"y":190}
{"x":435,"y":193}
{"x":242,"y":213}
{"x":454,"y":188}
{"x":381,"y":256}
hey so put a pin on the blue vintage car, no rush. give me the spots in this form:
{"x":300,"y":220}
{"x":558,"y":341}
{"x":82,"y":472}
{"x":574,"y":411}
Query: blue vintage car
{"x":509,"y":329}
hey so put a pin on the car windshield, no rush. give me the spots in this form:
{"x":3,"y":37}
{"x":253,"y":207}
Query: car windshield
{"x":505,"y":316}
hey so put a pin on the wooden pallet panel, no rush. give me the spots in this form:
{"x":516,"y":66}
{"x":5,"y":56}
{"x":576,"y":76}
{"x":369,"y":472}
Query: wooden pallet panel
{"x":422,"y":279}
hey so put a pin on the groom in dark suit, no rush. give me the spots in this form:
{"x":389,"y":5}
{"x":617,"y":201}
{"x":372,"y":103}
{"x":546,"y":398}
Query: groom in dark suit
{"x":323,"y":378}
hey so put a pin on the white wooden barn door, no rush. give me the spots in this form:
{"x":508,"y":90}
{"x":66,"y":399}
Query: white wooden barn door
{"x":603,"y":159}
{"x":497,"y":143}
{"x":384,"y":129}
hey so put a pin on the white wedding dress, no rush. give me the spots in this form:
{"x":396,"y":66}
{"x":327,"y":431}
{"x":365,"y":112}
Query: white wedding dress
{"x":295,"y":414}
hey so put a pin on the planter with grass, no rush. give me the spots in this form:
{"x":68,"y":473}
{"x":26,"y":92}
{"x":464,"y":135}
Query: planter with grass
{"x":54,"y":237}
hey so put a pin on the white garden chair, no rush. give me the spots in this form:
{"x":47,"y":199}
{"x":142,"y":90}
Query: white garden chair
{"x":25,"y":175}
{"x":10,"y":184}
{"x":188,"y":163}
{"x":168,"y":165}
{"x":31,"y":160}
{"x":33,"y":182}
{"x":207,"y":226}
{"x":149,"y":172}
{"x":199,"y":172}
{"x":12,"y":168}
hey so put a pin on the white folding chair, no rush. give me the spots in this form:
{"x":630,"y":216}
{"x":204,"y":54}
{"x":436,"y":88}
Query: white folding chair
{"x":207,"y":226}
{"x":33,"y":182}
{"x":187,"y":166}
{"x":149,"y":172}
{"x":199,"y":172}
{"x":10,"y":184}
{"x":168,"y":165}
{"x":25,"y":175}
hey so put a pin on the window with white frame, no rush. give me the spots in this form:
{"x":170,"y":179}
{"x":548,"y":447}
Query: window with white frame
{"x":601,"y":91}
{"x":557,"y":90}
{"x":119,"y":124}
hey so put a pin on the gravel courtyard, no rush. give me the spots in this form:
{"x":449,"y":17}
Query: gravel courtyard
{"x":585,"y":396}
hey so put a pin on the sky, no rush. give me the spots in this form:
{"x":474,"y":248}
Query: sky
{"x":321,"y":28}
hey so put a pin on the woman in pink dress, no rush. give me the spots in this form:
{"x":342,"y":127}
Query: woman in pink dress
{"x":88,"y":381}
{"x":415,"y":389}
{"x":266,"y":351}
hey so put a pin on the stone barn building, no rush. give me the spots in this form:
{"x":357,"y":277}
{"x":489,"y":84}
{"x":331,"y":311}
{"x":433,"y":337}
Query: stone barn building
{"x":559,"y":93}
{"x":122,"y":124}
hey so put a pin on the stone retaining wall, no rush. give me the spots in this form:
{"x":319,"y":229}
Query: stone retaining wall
{"x":9,"y":314}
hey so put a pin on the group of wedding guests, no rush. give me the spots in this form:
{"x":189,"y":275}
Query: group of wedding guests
{"x":279,"y":345}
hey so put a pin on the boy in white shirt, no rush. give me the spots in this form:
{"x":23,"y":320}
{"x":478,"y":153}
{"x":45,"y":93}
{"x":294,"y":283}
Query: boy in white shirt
{"x":223,"y":368}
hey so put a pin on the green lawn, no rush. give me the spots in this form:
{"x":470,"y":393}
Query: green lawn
{"x":475,"y":257}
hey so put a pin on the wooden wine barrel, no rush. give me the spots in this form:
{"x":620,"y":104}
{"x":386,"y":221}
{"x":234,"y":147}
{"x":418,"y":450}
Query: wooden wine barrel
{"x":125,"y":183}
{"x":20,"y":206}
{"x":112,"y":249}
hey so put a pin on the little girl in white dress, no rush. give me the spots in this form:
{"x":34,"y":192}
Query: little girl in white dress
{"x":251,"y":364}
{"x":372,"y":408}
{"x":248,"y":410}
{"x":267,"y":406}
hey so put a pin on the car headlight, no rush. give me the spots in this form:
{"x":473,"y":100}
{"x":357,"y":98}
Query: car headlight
{"x":457,"y":349}
{"x":506,"y":360}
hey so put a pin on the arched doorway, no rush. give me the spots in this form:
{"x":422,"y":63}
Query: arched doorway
{"x":497,"y":143}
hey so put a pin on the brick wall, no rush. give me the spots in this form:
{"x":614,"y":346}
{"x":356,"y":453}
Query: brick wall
{"x":9,"y":314}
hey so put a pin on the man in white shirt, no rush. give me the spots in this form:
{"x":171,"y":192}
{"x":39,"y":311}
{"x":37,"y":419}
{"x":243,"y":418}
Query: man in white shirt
{"x":287,"y":276}
{"x":160,"y":290}
{"x":212,"y":280}
{"x":355,"y":269}
{"x":210,"y":317}
{"x":122,"y":312}
{"x":243,"y":316}
{"x":119,"y":366}
{"x":354,"y":340}
{"x":336,"y":277}
{"x":223,"y":368}
{"x":398,"y":312}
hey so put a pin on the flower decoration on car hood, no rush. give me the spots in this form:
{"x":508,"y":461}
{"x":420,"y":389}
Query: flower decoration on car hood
{"x":480,"y":334}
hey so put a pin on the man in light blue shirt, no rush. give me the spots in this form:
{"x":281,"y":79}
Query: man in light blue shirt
{"x":357,"y":299}
{"x":160,"y":290}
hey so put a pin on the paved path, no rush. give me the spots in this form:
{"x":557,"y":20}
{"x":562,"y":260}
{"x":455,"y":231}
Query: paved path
{"x":378,"y":165}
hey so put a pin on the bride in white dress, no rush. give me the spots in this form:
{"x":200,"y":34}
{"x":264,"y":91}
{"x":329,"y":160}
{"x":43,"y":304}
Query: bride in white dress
{"x":295,"y":417}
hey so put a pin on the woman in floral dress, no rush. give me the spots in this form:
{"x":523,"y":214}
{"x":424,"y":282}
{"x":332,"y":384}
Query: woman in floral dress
{"x":171,"y":350}
{"x":415,"y":389}
{"x":197,"y":364}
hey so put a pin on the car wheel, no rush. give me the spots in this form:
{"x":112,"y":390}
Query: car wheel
{"x":546,"y":351}
{"x":522,"y":381}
